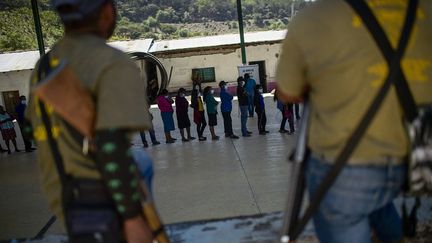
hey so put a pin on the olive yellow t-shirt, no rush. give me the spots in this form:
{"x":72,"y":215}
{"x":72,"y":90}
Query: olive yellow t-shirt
{"x":329,"y":50}
{"x":120,"y":98}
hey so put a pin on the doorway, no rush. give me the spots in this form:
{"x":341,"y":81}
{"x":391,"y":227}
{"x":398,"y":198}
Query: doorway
{"x":262,"y":73}
{"x":11,"y":100}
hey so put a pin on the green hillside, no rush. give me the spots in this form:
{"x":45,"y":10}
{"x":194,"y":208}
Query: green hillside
{"x":158,"y":19}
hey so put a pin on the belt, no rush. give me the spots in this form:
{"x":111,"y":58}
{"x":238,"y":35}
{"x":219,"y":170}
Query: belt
{"x":384,"y":160}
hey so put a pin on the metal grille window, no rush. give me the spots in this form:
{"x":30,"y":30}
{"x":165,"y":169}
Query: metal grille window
{"x":206,"y":75}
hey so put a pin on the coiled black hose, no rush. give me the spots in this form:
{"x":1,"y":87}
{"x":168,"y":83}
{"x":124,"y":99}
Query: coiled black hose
{"x":153,"y":89}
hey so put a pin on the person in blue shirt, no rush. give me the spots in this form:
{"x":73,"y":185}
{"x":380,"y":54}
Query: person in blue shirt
{"x":20,"y":110}
{"x":260,"y":109}
{"x":226,"y":108}
{"x":250,"y":89}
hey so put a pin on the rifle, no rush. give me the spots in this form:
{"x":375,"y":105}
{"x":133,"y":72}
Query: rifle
{"x":62,"y":90}
{"x":296,"y":187}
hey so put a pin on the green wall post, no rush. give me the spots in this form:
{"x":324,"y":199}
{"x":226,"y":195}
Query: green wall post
{"x":240,"y":23}
{"x":38,"y":27}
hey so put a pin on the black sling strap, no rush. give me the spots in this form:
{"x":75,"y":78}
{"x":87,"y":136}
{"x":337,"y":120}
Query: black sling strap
{"x":377,"y":32}
{"x":393,"y":58}
{"x":44,"y":67}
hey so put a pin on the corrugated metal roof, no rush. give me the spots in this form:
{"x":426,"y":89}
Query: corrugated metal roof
{"x":218,"y":40}
{"x":27,"y":60}
{"x":133,"y":45}
{"x":18,"y":61}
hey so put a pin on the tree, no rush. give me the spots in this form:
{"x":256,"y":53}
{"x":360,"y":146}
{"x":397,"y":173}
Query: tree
{"x":167,"y":16}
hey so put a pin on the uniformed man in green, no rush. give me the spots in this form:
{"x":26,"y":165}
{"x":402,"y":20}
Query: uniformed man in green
{"x":119,"y":95}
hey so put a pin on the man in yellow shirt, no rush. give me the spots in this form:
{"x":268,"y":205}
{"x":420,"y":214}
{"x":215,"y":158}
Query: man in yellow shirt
{"x":330,"y":56}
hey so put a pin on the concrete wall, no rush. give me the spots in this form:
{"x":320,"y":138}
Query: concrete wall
{"x":16,"y":80}
{"x":225,"y":68}
{"x":225,"y":65}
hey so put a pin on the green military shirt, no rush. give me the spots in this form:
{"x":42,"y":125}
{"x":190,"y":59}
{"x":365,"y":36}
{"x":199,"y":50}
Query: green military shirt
{"x":329,"y":50}
{"x":120,"y":99}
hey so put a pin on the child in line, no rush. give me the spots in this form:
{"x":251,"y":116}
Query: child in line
{"x":165,"y":105}
{"x":199,"y":117}
{"x":260,"y":109}
{"x":287,"y":114}
{"x":183,"y":121}
{"x":211,"y":105}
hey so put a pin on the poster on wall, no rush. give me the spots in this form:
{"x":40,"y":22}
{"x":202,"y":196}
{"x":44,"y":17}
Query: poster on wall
{"x":253,"y":71}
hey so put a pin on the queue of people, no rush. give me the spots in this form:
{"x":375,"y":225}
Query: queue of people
{"x":7,"y":127}
{"x":203,"y":102}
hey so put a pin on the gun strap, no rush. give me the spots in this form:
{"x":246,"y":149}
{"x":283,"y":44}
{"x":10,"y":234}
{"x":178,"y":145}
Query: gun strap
{"x":44,"y":67}
{"x":405,"y":96}
{"x":393,"y":58}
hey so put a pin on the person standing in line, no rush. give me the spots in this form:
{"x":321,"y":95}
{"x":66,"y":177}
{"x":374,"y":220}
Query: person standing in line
{"x":243,"y":101}
{"x":2,"y":150}
{"x":297,"y":111}
{"x":250,"y":84}
{"x":226,"y":108}
{"x":260,"y":109}
{"x":8,"y":130}
{"x":281,"y":107}
{"x":152,"y":136}
{"x":150,"y":131}
{"x":341,"y":81}
{"x":211,"y":105}
{"x":165,"y":105}
{"x":199,"y":115}
{"x":183,"y":122}
{"x":20,"y":110}
{"x":289,"y":113}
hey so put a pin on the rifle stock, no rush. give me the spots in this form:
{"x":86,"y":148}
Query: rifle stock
{"x":151,"y":216}
{"x":64,"y":92}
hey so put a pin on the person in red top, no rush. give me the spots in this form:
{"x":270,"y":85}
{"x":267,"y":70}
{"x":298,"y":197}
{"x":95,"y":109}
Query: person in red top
{"x":165,"y":105}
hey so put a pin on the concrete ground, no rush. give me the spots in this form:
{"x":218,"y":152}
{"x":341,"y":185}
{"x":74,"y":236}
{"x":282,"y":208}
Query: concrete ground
{"x":193,"y":180}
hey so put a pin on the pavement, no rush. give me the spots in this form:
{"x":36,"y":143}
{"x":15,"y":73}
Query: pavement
{"x":195,"y":183}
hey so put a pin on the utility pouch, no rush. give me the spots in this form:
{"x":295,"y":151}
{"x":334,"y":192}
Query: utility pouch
{"x":90,"y":214}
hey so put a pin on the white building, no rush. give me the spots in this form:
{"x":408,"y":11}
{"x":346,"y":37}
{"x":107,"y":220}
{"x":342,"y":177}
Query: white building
{"x":215,"y":57}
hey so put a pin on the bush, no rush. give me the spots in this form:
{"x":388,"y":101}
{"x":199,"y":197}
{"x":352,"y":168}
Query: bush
{"x":168,"y":29}
{"x":152,"y":22}
{"x":183,"y":32}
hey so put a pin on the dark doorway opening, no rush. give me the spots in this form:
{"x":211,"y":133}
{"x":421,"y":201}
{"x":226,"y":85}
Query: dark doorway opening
{"x":262,"y":73}
{"x":11,"y":100}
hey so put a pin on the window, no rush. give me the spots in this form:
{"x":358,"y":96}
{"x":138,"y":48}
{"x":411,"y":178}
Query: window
{"x":206,"y":75}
